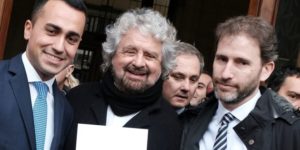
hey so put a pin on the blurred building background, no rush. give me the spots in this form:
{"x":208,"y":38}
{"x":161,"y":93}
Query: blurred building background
{"x":195,"y":21}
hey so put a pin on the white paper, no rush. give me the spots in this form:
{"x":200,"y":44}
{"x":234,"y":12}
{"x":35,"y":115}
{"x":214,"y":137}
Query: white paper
{"x":97,"y":137}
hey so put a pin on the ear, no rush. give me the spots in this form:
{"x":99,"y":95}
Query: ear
{"x":27,"y":29}
{"x":267,"y":69}
{"x":70,"y":70}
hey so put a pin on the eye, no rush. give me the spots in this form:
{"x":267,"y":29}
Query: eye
{"x":242,"y":62}
{"x":201,"y":86}
{"x":51,"y":30}
{"x":177,"y":76}
{"x":292,"y":96}
{"x":129,"y":51}
{"x":221,"y":58}
{"x":149,"y":56}
{"x":73,"y":39}
{"x":194,"y":79}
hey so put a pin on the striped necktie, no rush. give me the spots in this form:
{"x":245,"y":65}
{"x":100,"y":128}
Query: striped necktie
{"x":221,"y":139}
{"x":40,"y":114}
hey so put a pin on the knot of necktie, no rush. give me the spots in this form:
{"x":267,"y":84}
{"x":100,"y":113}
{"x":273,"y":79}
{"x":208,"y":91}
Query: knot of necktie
{"x":227,"y":118}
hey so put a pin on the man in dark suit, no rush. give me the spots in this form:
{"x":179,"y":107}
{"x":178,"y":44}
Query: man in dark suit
{"x":243,"y":115}
{"x":53,"y":36}
{"x":135,"y":54}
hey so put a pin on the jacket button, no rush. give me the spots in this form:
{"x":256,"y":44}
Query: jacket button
{"x":251,"y":142}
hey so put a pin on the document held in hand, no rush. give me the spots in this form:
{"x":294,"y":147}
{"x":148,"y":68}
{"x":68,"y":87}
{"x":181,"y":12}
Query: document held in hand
{"x":97,"y":137}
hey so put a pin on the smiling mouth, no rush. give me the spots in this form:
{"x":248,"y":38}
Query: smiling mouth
{"x":182,"y":96}
{"x":138,"y":73}
{"x":53,"y":57}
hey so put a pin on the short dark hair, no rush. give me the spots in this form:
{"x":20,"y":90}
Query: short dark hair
{"x":76,"y":4}
{"x":278,"y":77}
{"x":257,"y":29}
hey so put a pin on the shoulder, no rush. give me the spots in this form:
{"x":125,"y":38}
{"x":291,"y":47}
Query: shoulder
{"x":165,"y":109}
{"x":84,"y":89}
{"x":207,"y":108}
{"x":163,"y":115}
{"x":165,"y":129}
{"x":4,"y":66}
{"x":84,"y":94}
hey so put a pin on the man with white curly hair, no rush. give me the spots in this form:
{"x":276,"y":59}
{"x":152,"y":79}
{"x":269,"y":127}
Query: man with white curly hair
{"x":135,"y":58}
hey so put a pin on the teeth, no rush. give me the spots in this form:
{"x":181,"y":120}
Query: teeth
{"x":54,"y":58}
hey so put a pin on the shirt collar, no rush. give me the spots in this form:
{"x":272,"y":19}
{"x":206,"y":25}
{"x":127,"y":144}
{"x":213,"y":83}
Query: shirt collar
{"x":180,"y":110}
{"x":241,"y":112}
{"x":33,"y":76}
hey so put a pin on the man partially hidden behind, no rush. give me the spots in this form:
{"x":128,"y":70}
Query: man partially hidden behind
{"x":205,"y":87}
{"x":182,"y":79}
{"x":286,"y":82}
{"x":243,"y":116}
{"x":129,"y":94}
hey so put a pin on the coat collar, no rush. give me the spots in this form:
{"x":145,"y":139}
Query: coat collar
{"x":59,"y":106}
{"x":272,"y":106}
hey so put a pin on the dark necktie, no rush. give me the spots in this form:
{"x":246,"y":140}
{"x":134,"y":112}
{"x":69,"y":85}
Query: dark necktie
{"x":221,"y":139}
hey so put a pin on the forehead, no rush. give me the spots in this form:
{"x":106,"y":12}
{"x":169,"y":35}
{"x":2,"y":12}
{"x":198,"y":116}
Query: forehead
{"x":239,"y":46}
{"x":187,"y":64}
{"x":135,"y":38}
{"x":204,"y":78}
{"x":59,"y":13}
{"x":292,"y":82}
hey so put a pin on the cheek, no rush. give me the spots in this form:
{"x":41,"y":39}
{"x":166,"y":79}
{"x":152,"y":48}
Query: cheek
{"x":194,"y":87}
{"x":172,"y":86}
{"x":166,"y":90}
{"x":119,"y":61}
{"x":155,"y":67}
{"x":215,"y":69}
{"x":201,"y":91}
{"x":71,"y":51}
{"x":116,"y":64}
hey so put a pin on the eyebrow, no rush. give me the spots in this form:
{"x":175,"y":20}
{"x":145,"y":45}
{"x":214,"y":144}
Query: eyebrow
{"x":201,"y":83}
{"x":53,"y":26}
{"x":70,"y":33}
{"x":293,"y":92}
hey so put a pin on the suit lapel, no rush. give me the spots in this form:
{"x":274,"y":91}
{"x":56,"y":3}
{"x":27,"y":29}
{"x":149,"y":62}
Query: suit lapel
{"x":99,"y":109}
{"x":200,"y":125}
{"x":58,"y":115}
{"x":20,"y":87}
{"x":141,"y":120}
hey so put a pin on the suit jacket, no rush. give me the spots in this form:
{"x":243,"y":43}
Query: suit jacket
{"x":16,"y":116}
{"x":164,"y":128}
{"x":271,"y":125}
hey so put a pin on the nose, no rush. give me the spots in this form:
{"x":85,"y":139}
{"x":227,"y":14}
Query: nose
{"x":185,"y":86}
{"x":139,"y":61}
{"x":227,"y":72}
{"x":59,"y":45}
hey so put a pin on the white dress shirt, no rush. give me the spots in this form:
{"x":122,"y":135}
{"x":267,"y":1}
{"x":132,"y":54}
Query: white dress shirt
{"x":233,"y":141}
{"x":117,"y":121}
{"x":32,"y":76}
